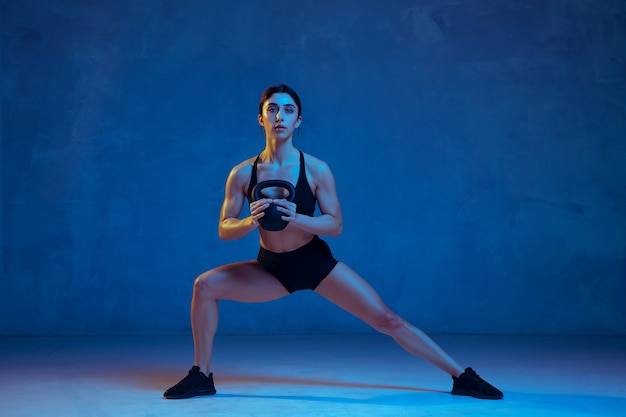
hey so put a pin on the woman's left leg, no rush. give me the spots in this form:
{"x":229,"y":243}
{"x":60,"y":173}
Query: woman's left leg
{"x":348,"y":290}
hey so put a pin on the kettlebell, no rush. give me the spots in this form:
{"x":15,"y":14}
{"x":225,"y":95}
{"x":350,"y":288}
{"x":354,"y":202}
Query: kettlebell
{"x":272,"y":221}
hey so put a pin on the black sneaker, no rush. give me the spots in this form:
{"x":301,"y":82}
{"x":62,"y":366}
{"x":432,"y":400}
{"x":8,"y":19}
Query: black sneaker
{"x":469,"y":383}
{"x":195,"y":383}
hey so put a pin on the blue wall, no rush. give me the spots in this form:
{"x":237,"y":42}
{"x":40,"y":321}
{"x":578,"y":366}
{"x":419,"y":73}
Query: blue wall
{"x":478,"y":148}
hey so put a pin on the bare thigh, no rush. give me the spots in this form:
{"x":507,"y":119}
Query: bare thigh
{"x":241,"y":281}
{"x":345,"y":288}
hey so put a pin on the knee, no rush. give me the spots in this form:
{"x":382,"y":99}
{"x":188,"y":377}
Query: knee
{"x":205,"y":285}
{"x":387,"y":322}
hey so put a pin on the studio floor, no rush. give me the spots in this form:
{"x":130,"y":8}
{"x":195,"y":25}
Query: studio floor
{"x":330,"y":375}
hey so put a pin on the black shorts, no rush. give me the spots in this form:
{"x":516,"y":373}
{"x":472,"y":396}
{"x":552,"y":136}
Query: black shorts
{"x":301,"y":269}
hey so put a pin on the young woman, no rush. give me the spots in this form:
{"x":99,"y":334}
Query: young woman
{"x":282,"y":186}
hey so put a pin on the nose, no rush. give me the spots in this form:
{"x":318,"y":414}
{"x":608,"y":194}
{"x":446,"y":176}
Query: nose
{"x":279,"y":115}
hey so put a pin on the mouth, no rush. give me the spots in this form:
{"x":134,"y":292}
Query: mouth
{"x":279,"y":127}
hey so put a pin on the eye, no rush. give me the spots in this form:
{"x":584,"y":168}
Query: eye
{"x":271,"y":109}
{"x":289,"y":110}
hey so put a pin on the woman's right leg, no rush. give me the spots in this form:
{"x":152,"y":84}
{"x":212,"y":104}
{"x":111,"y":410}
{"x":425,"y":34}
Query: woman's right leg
{"x":243,"y":281}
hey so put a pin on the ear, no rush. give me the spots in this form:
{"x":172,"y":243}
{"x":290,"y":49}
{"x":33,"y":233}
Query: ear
{"x":298,"y":121}
{"x":260,"y":117}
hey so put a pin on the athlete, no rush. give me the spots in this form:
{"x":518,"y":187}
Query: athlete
{"x":294,"y":258}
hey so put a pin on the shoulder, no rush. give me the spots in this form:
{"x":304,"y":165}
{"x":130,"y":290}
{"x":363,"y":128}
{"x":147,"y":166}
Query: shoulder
{"x":318,"y":173}
{"x":316,"y":166}
{"x":240,"y":173}
{"x":243,"y":168}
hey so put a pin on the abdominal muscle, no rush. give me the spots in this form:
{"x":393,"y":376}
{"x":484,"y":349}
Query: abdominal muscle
{"x":286,"y":240}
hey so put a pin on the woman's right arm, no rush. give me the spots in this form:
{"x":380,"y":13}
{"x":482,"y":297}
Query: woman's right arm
{"x":231,"y":226}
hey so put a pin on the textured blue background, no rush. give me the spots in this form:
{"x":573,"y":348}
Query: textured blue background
{"x":478,"y":146}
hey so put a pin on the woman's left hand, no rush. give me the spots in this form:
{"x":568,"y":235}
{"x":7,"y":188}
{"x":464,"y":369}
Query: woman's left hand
{"x":287,"y":208}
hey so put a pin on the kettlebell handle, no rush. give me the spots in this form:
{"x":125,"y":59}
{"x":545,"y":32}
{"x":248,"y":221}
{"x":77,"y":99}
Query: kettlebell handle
{"x":256,"y":191}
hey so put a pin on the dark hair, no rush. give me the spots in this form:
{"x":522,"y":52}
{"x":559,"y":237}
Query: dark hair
{"x":281,"y":88}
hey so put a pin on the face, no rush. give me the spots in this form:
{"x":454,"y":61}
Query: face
{"x":280,"y":116}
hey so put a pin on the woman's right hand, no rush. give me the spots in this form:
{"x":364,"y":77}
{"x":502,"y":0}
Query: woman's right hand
{"x":257,"y":209}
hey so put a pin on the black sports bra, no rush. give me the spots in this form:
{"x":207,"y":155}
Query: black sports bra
{"x":304,"y":199}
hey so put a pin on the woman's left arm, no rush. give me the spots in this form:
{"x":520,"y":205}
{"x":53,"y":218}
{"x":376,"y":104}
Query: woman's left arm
{"x":330,"y":222}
